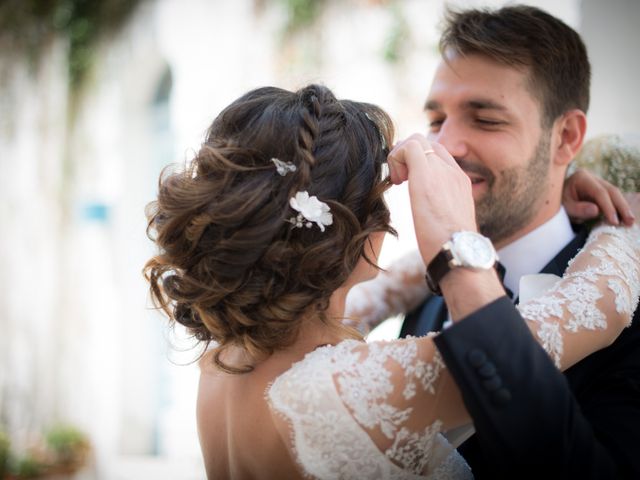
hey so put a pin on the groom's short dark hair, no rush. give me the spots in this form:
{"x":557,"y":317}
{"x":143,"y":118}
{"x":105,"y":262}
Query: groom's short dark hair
{"x":524,"y":36}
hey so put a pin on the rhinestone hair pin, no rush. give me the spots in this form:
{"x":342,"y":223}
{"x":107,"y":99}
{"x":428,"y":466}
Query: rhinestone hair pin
{"x":283,"y":167}
{"x":383,"y":142}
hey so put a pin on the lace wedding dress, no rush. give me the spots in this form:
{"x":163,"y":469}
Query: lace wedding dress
{"x":379,"y":410}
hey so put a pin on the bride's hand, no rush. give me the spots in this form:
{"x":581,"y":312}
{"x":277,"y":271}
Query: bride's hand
{"x":634,"y":203}
{"x":586,"y":195}
{"x":440,"y":192}
{"x":442,"y":203}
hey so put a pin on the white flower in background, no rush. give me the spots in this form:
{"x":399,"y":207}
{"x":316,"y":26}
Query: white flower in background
{"x":614,"y":157}
{"x":283,"y":167}
{"x":311,"y":211}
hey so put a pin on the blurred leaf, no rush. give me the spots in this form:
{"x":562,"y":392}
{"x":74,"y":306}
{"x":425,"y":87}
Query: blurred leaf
{"x":27,"y":467}
{"x":5,"y":445}
{"x":28,"y":26}
{"x":397,"y":37}
{"x":302,"y":13}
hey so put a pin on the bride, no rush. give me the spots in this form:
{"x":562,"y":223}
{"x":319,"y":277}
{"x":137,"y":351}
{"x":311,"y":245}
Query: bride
{"x":261,"y":238}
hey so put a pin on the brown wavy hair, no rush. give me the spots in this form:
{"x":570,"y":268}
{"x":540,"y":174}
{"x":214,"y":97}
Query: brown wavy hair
{"x":230,"y":267}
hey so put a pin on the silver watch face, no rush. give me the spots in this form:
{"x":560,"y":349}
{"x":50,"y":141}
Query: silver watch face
{"x":471,"y":249}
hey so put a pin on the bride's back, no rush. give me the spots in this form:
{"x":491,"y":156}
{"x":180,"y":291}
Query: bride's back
{"x":238,"y":437}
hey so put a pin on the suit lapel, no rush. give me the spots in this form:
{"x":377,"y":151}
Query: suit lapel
{"x":435,"y":315}
{"x":428,"y":317}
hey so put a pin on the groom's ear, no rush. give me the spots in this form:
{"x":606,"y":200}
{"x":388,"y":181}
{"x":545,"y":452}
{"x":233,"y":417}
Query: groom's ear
{"x":569,"y":131}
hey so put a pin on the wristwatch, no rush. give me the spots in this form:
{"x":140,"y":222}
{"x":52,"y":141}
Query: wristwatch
{"x":465,"y":249}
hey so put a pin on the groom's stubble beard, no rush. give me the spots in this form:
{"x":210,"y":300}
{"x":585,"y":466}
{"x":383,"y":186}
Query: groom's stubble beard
{"x":513,"y":198}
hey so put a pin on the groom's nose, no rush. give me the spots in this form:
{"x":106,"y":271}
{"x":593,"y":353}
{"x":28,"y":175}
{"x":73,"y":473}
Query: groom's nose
{"x":452,"y":137}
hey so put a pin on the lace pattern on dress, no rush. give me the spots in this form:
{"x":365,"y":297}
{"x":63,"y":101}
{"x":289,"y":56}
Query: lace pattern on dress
{"x":328,"y":423}
{"x":397,"y":290}
{"x":339,"y":398}
{"x":573,"y":304}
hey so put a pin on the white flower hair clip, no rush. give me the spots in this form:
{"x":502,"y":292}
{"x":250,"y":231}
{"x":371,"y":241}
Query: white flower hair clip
{"x":311,"y":210}
{"x":283,"y":167}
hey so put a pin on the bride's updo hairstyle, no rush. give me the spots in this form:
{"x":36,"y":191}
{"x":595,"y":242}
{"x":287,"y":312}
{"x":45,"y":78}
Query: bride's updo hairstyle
{"x":231,"y":266}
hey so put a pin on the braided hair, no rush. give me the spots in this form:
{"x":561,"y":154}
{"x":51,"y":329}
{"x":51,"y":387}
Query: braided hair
{"x":230,"y":267}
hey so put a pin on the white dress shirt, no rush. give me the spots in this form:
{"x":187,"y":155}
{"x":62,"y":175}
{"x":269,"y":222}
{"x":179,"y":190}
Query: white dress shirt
{"x":531,"y":253}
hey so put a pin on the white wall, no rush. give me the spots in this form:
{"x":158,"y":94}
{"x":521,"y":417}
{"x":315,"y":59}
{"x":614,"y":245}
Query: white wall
{"x":611,"y":33}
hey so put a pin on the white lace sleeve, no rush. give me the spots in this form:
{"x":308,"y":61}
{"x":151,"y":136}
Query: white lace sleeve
{"x":371,"y":411}
{"x":397,"y":290}
{"x":595,"y":299}
{"x":377,"y":410}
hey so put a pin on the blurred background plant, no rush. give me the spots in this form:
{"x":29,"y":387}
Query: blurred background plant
{"x":398,"y":36}
{"x":5,"y":446}
{"x":614,"y":157}
{"x":69,"y":448}
{"x":29,"y":25}
{"x":62,"y":450}
{"x":301,"y":14}
{"x":26,"y":467}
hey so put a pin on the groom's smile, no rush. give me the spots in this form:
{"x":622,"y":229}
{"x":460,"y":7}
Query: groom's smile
{"x":489,"y":118}
{"x":482,"y":179}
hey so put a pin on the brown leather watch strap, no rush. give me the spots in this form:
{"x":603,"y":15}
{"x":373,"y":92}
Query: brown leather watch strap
{"x":438,"y":268}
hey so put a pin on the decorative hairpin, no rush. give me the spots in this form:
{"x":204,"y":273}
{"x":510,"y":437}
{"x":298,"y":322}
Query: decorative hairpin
{"x":283,"y":167}
{"x":311,"y":210}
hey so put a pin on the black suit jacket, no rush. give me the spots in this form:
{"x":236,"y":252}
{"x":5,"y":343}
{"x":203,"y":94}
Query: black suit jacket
{"x":532,"y":421}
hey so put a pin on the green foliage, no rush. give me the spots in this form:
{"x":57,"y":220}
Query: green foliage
{"x":30,"y":25}
{"x":5,"y":446}
{"x":62,"y":449}
{"x":65,"y":441}
{"x":302,"y":13}
{"x":27,"y":467}
{"x":397,"y":36}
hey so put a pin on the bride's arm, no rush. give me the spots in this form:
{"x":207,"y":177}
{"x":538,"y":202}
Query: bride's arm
{"x":396,"y":290}
{"x":591,"y":305}
{"x":584,"y":312}
{"x":401,"y":394}
{"x":401,"y":287}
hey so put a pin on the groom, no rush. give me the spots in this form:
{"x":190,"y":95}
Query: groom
{"x":509,"y":103}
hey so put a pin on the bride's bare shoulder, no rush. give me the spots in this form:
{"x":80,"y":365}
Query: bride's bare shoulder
{"x":230,"y":409}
